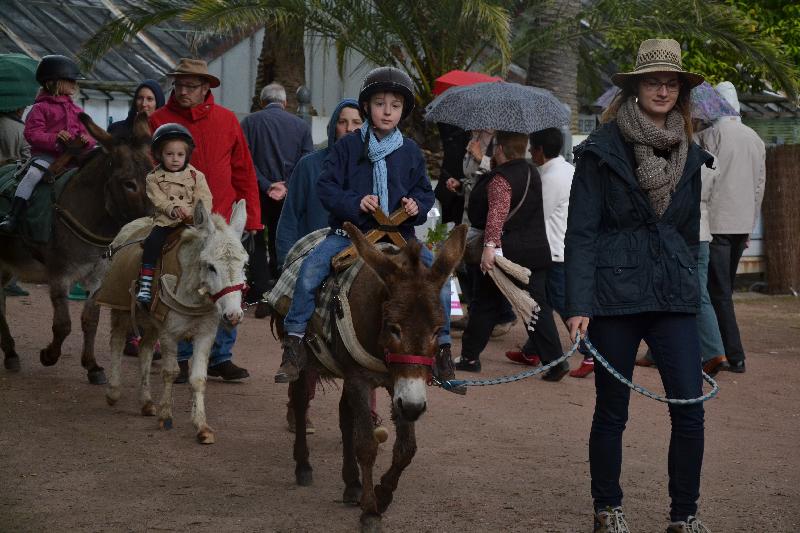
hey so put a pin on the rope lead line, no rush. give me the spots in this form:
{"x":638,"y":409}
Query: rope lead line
{"x":455,"y":383}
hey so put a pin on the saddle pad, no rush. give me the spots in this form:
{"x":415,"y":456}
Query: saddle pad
{"x":115,"y":291}
{"x":280,"y":297}
{"x":37,"y":224}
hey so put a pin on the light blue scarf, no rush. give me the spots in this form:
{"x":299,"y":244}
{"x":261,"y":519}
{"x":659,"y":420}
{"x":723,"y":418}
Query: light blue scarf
{"x":377,"y":151}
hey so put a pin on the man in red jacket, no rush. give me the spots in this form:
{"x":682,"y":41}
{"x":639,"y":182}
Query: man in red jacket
{"x":222,"y":155}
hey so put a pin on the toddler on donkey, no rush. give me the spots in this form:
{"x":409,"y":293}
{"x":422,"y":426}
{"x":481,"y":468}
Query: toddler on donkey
{"x":370,"y":168}
{"x":174,"y":187}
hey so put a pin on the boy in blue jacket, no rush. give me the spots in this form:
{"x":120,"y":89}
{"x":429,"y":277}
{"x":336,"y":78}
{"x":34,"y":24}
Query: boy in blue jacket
{"x":370,"y":168}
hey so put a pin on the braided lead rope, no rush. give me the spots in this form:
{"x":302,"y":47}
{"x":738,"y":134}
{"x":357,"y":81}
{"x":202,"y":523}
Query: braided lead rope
{"x":644,"y":392}
{"x":452,"y":384}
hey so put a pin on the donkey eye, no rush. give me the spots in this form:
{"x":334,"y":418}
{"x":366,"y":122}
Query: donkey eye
{"x":131,"y":186}
{"x":395,"y":330}
{"x":212,"y":268}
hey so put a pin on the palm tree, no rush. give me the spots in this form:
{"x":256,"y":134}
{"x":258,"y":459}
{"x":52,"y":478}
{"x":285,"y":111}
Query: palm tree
{"x":427,"y":39}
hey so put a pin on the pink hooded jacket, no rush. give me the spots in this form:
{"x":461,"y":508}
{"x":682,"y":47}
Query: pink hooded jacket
{"x":49,"y":115}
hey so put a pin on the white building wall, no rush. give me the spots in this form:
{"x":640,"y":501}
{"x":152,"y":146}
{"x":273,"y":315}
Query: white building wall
{"x":237,"y":69}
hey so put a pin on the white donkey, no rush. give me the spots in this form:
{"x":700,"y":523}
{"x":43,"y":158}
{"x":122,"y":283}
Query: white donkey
{"x":212,"y":261}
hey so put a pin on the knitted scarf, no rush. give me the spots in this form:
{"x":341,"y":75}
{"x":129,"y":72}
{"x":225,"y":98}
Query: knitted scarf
{"x":657,"y":176}
{"x":377,"y":151}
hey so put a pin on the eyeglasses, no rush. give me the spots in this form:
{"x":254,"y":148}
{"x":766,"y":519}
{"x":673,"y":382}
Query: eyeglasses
{"x":186,"y":86}
{"x":654,"y":85}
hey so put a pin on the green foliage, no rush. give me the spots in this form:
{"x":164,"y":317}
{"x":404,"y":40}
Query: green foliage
{"x":436,"y":234}
{"x":721,"y":39}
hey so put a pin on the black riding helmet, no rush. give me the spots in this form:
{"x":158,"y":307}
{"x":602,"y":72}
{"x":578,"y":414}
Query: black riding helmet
{"x":56,"y":67}
{"x":169,"y":132}
{"x":383,"y":79}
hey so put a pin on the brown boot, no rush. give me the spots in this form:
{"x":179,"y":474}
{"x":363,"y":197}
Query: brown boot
{"x":293,"y":360}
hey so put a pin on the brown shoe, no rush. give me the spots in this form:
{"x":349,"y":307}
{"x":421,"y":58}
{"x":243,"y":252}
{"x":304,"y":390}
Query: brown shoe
{"x":228,"y":371}
{"x":293,"y":360}
{"x":712,"y":366}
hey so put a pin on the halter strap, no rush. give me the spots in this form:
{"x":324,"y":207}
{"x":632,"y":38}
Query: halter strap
{"x":408,"y":359}
{"x":232,"y":288}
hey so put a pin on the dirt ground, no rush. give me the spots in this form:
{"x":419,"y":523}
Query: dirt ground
{"x":503,"y":458}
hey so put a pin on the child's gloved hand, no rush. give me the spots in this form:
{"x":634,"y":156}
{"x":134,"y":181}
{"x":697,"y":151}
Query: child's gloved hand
{"x":64,"y":136}
{"x":369,"y":203}
{"x":410,"y":205}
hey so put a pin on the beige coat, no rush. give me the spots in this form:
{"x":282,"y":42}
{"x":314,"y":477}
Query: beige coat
{"x":168,"y":190}
{"x":709,"y":177}
{"x":734,"y":202}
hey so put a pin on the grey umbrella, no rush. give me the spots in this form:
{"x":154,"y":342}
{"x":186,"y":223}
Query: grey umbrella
{"x":498,"y":105}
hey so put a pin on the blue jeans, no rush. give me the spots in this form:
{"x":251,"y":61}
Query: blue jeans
{"x":220,"y":352}
{"x":673,"y":338}
{"x":710,"y":339}
{"x":316,"y":268}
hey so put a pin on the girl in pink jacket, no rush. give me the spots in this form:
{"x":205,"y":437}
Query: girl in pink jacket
{"x":51,"y":122}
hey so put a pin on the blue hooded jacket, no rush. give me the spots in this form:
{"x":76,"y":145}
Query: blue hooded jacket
{"x":347,"y":177}
{"x":302,"y":211}
{"x":122,"y":129}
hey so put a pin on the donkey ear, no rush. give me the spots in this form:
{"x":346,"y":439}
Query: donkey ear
{"x":239,"y":217}
{"x":101,"y":135}
{"x":449,"y":255}
{"x":383,"y":266}
{"x":202,"y":219}
{"x":141,"y":129}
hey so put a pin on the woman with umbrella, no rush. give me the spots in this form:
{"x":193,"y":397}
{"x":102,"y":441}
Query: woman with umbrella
{"x":147,"y":97}
{"x":631,"y":261}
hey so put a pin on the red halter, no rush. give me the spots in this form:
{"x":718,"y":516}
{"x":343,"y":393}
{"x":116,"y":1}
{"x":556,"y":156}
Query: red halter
{"x":233,"y":288}
{"x":408,"y":359}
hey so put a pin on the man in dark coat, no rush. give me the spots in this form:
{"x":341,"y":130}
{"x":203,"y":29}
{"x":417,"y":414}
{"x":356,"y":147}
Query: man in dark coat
{"x":277,"y":140}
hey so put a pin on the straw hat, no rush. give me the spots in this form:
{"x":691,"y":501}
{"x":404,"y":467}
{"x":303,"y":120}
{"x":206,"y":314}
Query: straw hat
{"x":194,"y":67}
{"x":658,"y":55}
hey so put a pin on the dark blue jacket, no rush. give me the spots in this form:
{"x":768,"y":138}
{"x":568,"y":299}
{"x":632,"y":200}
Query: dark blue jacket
{"x":620,"y":258}
{"x":347,"y":177}
{"x":302,"y":211}
{"x":123,"y":129}
{"x":277,"y":140}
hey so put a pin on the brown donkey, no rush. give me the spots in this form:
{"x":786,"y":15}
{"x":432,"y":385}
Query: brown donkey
{"x":106,"y":193}
{"x":397,"y":316}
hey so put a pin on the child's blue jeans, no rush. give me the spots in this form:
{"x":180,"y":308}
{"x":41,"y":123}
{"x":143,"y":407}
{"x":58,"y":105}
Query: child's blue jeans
{"x":316,"y":268}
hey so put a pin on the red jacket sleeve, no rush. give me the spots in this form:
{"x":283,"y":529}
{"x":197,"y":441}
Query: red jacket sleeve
{"x":243,"y":179}
{"x":36,"y":131}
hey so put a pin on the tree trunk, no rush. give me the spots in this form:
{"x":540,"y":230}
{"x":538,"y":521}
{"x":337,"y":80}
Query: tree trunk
{"x":283,"y":61}
{"x":556,"y":69}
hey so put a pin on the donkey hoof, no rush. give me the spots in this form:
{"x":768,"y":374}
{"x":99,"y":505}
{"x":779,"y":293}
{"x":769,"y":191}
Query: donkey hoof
{"x":206,"y":436}
{"x":352,"y":495}
{"x":304,"y":476}
{"x":165,"y":423}
{"x":12,"y":363}
{"x":47,"y":358}
{"x":370,"y":523}
{"x":97,"y":376}
{"x":381,"y":434}
{"x":149,"y":409}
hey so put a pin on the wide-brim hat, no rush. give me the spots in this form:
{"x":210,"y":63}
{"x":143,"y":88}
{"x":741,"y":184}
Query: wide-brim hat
{"x":658,"y":55}
{"x":194,"y":67}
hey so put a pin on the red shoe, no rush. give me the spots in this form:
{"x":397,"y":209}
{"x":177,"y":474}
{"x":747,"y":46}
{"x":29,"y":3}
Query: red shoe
{"x":519,"y":357}
{"x":586,"y":368}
